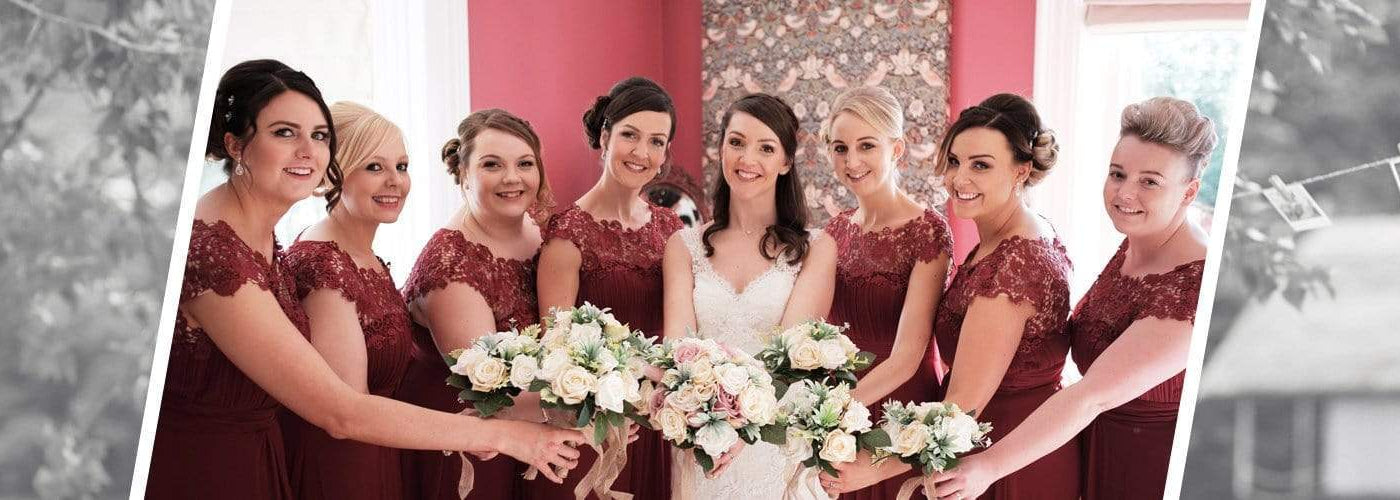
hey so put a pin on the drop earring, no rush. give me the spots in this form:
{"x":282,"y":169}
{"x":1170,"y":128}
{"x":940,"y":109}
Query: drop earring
{"x":238,"y":169}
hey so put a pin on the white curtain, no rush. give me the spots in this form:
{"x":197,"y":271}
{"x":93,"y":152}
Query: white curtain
{"x":406,"y":60}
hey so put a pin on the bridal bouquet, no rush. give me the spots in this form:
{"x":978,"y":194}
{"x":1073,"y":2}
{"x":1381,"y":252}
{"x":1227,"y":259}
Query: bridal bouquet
{"x":709,"y":397}
{"x":818,"y":425}
{"x":590,"y":367}
{"x":495,"y":369}
{"x":930,"y":436}
{"x":816,"y":351}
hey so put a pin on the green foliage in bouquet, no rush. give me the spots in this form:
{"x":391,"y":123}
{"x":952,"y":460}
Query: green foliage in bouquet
{"x":816,"y":351}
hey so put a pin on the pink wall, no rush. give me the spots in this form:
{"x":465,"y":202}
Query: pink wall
{"x":993,"y":51}
{"x":547,"y":61}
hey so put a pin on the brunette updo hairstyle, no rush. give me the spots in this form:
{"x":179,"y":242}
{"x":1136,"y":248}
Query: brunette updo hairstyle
{"x":789,"y":232}
{"x":1173,"y":123}
{"x":244,"y":90}
{"x":1017,"y":120}
{"x":458,"y":150}
{"x":629,"y":96}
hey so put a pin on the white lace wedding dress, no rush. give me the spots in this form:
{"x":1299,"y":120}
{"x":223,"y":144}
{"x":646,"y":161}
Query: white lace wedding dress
{"x":736,"y":318}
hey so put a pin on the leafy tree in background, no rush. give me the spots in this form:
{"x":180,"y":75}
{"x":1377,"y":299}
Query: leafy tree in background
{"x":96,"y":107}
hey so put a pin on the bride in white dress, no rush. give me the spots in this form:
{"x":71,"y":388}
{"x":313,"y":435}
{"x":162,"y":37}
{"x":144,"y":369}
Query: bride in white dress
{"x":752,"y":269}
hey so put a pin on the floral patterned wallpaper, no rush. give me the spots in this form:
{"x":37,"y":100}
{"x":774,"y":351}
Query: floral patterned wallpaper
{"x":807,"y":52}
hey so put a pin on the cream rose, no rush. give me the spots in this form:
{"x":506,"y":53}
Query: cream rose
{"x":958,"y":431}
{"x":574,"y":384}
{"x":606,"y":361}
{"x":488,"y":375}
{"x":644,"y":391}
{"x":522,"y":371}
{"x":839,"y":447}
{"x":833,"y":354}
{"x":805,"y":354}
{"x":467,"y":361}
{"x":554,"y":363}
{"x":757,"y":405}
{"x":911,"y":439}
{"x":615,"y":331}
{"x":672,"y":424}
{"x":685,"y":399}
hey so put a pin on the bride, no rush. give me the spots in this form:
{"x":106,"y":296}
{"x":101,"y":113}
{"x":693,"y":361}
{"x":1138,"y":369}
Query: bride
{"x":755,"y":267}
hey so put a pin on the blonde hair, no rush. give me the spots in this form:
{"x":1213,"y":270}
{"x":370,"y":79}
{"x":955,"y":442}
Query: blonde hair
{"x":361,"y":132}
{"x":874,"y":105}
{"x":1173,"y":123}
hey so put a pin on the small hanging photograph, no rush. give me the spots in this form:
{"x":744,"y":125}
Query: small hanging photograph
{"x":1297,"y":206}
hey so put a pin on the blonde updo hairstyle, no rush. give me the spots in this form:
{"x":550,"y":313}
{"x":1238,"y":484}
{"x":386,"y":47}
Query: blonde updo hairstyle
{"x":1173,"y":123}
{"x":457,"y":150}
{"x":1017,"y":120}
{"x":361,"y":132}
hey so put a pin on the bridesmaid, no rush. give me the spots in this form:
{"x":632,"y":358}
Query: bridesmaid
{"x":893,"y":257}
{"x":1000,"y":325}
{"x":240,"y":348}
{"x":357,"y":319}
{"x":1132,"y":330}
{"x":606,"y":249}
{"x":476,"y":276}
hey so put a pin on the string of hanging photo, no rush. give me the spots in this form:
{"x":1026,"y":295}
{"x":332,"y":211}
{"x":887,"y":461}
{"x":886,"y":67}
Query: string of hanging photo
{"x":1296,"y":205}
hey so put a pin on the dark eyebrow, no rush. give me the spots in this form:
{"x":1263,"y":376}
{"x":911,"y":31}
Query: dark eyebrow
{"x":974,"y":157}
{"x":486,"y":156}
{"x":295,"y":125}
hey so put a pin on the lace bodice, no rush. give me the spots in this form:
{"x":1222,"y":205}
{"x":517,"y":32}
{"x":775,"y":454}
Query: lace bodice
{"x":1116,"y":301}
{"x":737,"y":317}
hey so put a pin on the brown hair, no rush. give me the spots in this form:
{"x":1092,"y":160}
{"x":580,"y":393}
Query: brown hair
{"x":633,"y":95}
{"x":457,"y":149}
{"x":1173,"y":123}
{"x":1017,"y":120}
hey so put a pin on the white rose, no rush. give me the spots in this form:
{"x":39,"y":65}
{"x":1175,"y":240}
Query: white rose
{"x":610,"y":392}
{"x":672,"y":423}
{"x":702,"y":372}
{"x":563,"y":318}
{"x":631,"y":387}
{"x":554,"y":362}
{"x":759,"y":375}
{"x":911,"y":439}
{"x":616,"y":331}
{"x":606,"y":361}
{"x":716,"y":438}
{"x":488,"y":375}
{"x":833,"y":354}
{"x":846,"y":344}
{"x":574,"y":384}
{"x":799,"y":397}
{"x":797,"y":446}
{"x":733,"y":378}
{"x":757,"y":405}
{"x":839,"y":447}
{"x":586,"y":332}
{"x":510,"y":344}
{"x":856,"y":419}
{"x":522,"y":371}
{"x":671,"y":378}
{"x":958,"y":430}
{"x":467,"y":360}
{"x":805,"y":354}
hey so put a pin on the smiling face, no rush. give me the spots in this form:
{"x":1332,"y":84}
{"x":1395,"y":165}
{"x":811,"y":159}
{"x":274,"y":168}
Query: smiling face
{"x":377,"y":187}
{"x":289,"y":151}
{"x":982,"y":173}
{"x":752,"y":157}
{"x":502,"y":174}
{"x":863,"y":158}
{"x":1148,"y":187}
{"x":635,"y":147}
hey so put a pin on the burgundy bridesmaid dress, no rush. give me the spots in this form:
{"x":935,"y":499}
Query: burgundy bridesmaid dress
{"x":1126,"y":449}
{"x":872,"y":279}
{"x":508,"y":285}
{"x":320,"y":466}
{"x":1031,"y":271}
{"x":218,"y":437}
{"x":621,"y":270}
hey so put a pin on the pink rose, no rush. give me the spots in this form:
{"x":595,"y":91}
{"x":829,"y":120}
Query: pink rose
{"x":658,"y":400}
{"x":726,"y":403}
{"x":686,"y":352}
